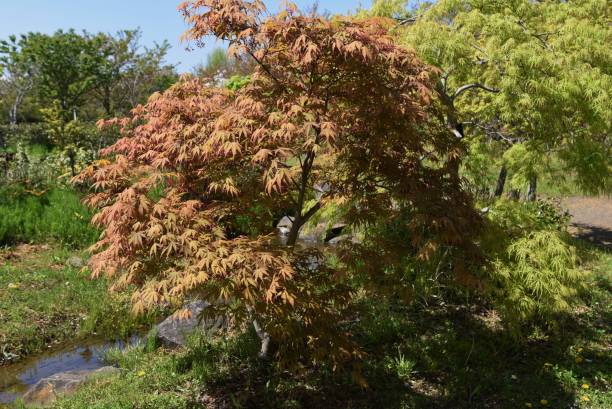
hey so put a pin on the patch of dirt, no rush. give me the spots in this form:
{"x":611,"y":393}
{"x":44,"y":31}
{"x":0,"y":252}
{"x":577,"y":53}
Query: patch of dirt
{"x":22,"y":252}
{"x":591,"y":218}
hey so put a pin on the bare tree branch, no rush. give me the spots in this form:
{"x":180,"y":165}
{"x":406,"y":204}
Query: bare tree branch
{"x":467,"y":87}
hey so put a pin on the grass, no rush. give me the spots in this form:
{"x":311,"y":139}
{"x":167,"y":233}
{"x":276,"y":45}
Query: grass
{"x":44,"y":301}
{"x":435,"y":356}
{"x":54,"y":215}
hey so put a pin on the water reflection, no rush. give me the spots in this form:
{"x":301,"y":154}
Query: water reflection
{"x":84,"y":355}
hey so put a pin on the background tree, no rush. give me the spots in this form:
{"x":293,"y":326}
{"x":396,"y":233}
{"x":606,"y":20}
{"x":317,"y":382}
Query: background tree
{"x":128,"y":73}
{"x":148,"y":74}
{"x":66,"y":63}
{"x":534,"y":74}
{"x":116,"y":57}
{"x":17,"y":75}
{"x":76,"y":79}
{"x":331,"y":102}
{"x":220,"y":67}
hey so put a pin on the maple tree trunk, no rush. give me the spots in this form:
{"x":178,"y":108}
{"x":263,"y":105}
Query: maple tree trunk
{"x":501,"y":181}
{"x":264,"y":337}
{"x":294,"y":233}
{"x":300,"y":219}
{"x":531,"y":191}
{"x":265,"y":340}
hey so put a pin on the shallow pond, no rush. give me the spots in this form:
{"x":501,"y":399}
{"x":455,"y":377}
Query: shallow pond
{"x":83,"y":355}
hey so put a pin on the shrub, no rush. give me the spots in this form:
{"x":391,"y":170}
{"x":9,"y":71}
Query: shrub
{"x":537,"y":278}
{"x":37,"y":168}
{"x":534,"y":275}
{"x":28,"y":134}
{"x":56,"y":214}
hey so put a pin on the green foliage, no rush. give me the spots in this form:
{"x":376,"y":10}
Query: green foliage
{"x":222,"y":69}
{"x":55,"y":215}
{"x":539,"y":279}
{"x":535,"y":275}
{"x":238,"y":81}
{"x":535,"y":74}
{"x":519,"y":219}
{"x":400,"y":270}
{"x":37,"y":169}
{"x":61,"y":132}
{"x":524,"y":162}
{"x":79,"y":75}
{"x":17,"y":76}
{"x":65,"y":63}
{"x":127,"y":74}
{"x":25,"y":134}
{"x":386,"y":8}
{"x":217,"y":61}
{"x":588,"y":155}
{"x":480,"y":167}
{"x":401,"y":366}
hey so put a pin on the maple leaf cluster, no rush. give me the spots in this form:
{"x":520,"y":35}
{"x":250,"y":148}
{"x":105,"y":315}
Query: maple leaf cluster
{"x":332,"y":102}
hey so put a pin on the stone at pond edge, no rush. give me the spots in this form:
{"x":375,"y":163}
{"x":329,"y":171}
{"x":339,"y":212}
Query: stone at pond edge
{"x":317,"y":234}
{"x":173,"y":332}
{"x":313,"y":235}
{"x":341,"y":239}
{"x":284,"y":225}
{"x":47,"y":390}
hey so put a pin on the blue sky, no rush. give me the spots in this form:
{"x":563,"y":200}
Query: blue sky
{"x":158,"y":20}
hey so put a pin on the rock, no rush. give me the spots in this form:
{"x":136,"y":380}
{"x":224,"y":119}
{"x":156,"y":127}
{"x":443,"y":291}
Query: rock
{"x":320,"y":190}
{"x":334,"y":232}
{"x":173,"y":332}
{"x":317,"y":234}
{"x":75,"y":262}
{"x":313,"y":235}
{"x":340,"y":239}
{"x":47,"y":390}
{"x":284,"y":225}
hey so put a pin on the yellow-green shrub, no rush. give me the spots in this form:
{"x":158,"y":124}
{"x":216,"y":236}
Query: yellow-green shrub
{"x":535,"y":274}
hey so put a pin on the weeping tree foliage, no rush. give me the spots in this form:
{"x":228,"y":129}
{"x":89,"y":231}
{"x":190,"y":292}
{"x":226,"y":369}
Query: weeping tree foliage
{"x":531,"y":76}
{"x":330,"y":103}
{"x":536,"y":276}
{"x":541,"y":278}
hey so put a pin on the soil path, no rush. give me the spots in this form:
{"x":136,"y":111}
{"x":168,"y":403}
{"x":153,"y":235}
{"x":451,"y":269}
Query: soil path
{"x":591,"y":218}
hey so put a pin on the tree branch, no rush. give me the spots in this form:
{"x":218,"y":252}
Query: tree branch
{"x":467,"y":87}
{"x":311,"y":212}
{"x":265,"y":68}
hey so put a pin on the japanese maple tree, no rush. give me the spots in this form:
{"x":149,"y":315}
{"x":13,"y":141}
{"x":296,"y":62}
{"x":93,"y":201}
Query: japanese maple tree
{"x":188,"y":196}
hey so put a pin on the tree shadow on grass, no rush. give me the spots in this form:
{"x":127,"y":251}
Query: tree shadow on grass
{"x":597,"y":235}
{"x":435,"y":357}
{"x":464,"y":360}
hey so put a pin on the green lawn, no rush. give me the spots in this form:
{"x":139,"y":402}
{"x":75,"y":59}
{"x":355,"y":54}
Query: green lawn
{"x":44,"y":301}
